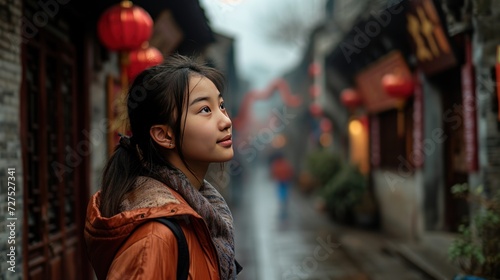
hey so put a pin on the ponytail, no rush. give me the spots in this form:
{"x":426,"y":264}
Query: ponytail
{"x":120,"y":174}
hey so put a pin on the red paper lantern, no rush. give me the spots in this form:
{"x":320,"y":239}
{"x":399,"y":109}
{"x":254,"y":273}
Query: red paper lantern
{"x":314,"y":91}
{"x":315,"y":109}
{"x":124,"y":27}
{"x":314,"y":69}
{"x":141,"y":59}
{"x":325,"y":125}
{"x":351,"y":98}
{"x":397,"y":86}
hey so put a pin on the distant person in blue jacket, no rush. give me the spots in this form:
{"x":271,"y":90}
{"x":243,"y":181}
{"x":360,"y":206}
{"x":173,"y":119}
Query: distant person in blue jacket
{"x":282,"y":172}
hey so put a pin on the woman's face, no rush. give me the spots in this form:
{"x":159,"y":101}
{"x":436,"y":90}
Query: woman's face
{"x":207,"y":128}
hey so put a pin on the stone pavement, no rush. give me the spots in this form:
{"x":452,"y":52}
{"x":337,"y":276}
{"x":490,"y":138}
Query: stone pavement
{"x":305,"y":245}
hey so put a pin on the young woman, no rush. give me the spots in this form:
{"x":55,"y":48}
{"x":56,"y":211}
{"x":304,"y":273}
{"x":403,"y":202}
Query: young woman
{"x":179,"y":126}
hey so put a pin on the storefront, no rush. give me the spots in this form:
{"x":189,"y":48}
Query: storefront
{"x":422,"y":127}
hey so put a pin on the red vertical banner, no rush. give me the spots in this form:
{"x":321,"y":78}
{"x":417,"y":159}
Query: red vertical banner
{"x":418,"y":123}
{"x":374,"y":140}
{"x":469,"y":109}
{"x":497,"y":66}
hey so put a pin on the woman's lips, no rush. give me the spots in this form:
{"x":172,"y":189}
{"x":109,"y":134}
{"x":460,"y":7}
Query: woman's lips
{"x":226,"y":141}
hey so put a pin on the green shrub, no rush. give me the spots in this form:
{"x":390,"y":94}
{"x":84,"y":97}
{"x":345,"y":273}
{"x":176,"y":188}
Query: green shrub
{"x":323,"y":165}
{"x":344,"y":191}
{"x":477,"y":248}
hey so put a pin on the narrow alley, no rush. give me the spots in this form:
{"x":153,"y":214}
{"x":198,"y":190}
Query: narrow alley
{"x":306,"y":244}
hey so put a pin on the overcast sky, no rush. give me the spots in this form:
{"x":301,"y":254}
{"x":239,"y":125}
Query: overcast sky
{"x":252,"y":23}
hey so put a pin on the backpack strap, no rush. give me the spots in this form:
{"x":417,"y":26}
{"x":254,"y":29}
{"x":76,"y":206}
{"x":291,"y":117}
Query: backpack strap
{"x":183,"y":259}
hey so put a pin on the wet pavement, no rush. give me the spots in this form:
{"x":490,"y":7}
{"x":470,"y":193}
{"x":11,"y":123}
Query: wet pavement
{"x":305,"y":244}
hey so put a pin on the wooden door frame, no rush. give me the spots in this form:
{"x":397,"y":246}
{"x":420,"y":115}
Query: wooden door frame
{"x":81,"y":117}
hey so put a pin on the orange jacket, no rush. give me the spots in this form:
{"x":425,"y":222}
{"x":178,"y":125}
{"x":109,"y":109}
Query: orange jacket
{"x":130,"y":246}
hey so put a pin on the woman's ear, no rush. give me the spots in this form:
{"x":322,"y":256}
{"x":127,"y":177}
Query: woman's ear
{"x":163,"y":136}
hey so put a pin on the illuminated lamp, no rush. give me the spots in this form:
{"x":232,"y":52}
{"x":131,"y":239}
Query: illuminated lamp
{"x":355,"y":127}
{"x":141,"y":59}
{"x":401,"y":88}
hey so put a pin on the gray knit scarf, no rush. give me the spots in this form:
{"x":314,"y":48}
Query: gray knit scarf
{"x":212,"y":207}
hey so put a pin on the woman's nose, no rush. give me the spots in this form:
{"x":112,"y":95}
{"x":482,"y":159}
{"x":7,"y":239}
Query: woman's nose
{"x":225,"y":121}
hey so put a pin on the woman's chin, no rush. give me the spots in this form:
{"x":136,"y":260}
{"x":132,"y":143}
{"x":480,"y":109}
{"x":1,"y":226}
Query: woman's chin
{"x":226,"y":156}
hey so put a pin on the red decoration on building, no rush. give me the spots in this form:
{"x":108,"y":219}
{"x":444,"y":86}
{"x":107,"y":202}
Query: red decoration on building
{"x":351,"y":98}
{"x":314,"y":91}
{"x":315,"y":109}
{"x":141,"y":59}
{"x":325,"y":125}
{"x":279,"y":85}
{"x":469,"y":109}
{"x":124,"y":27}
{"x":314,"y":69}
{"x":398,"y":86}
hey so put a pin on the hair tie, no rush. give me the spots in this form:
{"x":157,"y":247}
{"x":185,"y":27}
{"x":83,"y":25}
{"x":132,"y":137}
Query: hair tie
{"x":126,"y":142}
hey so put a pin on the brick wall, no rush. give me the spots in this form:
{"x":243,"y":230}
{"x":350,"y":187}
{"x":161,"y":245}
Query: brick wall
{"x":10,"y":149}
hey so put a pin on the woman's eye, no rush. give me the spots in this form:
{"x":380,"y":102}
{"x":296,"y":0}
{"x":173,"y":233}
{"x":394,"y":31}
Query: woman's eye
{"x":205,"y":110}
{"x":222,"y":106}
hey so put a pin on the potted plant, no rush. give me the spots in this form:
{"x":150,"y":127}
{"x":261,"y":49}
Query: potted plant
{"x":477,"y":248}
{"x":323,"y":164}
{"x":343,"y":192}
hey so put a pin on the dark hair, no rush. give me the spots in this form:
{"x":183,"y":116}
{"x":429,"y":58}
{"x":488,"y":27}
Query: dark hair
{"x":158,"y":95}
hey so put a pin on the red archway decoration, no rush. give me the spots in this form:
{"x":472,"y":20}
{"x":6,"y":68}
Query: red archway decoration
{"x":279,"y":85}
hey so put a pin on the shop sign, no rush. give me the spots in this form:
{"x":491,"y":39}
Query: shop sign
{"x":369,"y":84}
{"x":431,"y":46}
